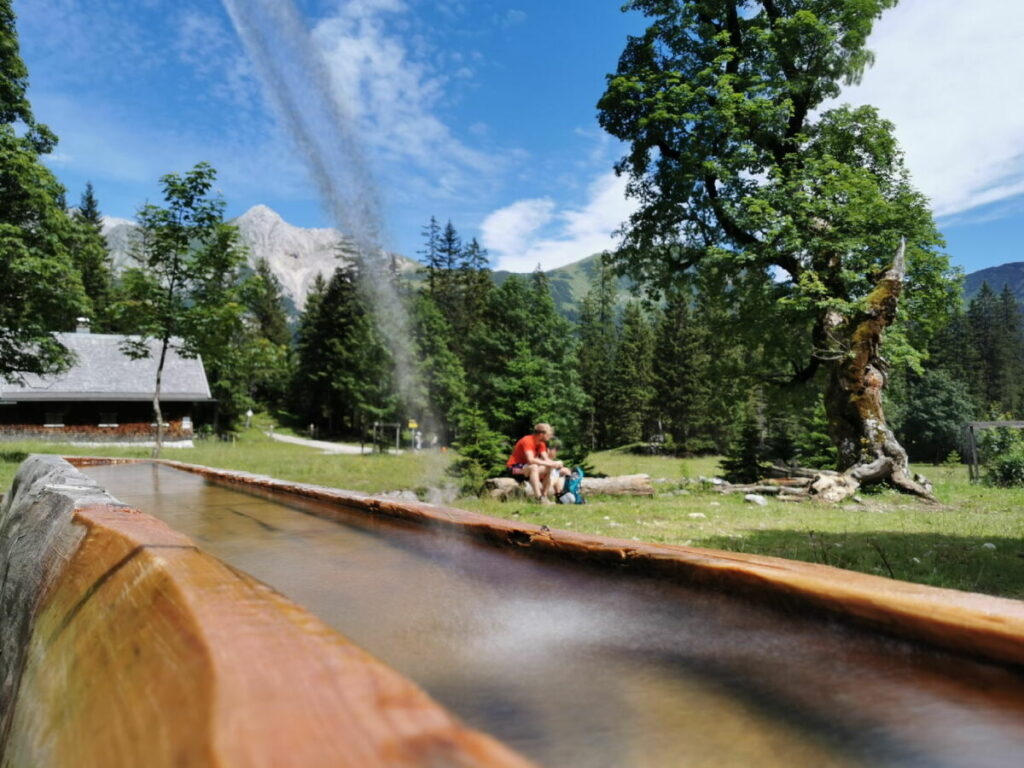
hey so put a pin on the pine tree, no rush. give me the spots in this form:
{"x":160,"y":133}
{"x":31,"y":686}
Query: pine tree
{"x":89,"y":209}
{"x":1008,"y":348}
{"x":982,"y":317}
{"x":91,"y":257}
{"x":474,"y":287}
{"x":681,"y":372}
{"x":264,"y":300}
{"x":522,"y":365}
{"x":745,"y":460}
{"x":632,"y":377}
{"x":343,"y":380}
{"x":446,"y":293}
{"x":267,"y":339}
{"x":430,"y":255}
{"x":731,"y":356}
{"x":310,"y":384}
{"x":598,"y":340}
{"x":441,"y":370}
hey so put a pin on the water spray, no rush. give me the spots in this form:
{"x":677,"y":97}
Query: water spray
{"x":299,"y":86}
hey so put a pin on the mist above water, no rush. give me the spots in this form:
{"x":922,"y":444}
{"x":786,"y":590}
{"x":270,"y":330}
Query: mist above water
{"x":299,"y":86}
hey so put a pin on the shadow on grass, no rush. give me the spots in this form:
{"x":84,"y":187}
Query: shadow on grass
{"x":954,"y":562}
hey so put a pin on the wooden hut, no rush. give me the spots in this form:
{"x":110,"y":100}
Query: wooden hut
{"x":105,"y":395}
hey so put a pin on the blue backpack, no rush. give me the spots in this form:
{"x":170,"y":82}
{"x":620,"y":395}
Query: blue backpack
{"x":572,"y":488}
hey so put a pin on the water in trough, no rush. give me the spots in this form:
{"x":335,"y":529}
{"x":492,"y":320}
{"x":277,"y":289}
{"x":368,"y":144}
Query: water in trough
{"x":577,"y":667}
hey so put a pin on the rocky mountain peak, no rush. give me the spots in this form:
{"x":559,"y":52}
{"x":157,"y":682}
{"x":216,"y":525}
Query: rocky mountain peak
{"x":296,"y":255}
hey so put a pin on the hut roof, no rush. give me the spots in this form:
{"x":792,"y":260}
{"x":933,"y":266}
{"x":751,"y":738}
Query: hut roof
{"x":102,"y":372}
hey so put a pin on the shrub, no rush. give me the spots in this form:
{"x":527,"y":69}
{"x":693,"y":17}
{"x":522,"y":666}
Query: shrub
{"x":1002,"y":452}
{"x":744,"y":463}
{"x":483,"y":453}
{"x":1006,"y":470}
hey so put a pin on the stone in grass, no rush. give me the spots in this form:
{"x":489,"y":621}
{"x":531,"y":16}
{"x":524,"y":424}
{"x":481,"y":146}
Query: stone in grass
{"x":755,"y":498}
{"x":988,"y":545}
{"x":698,"y":516}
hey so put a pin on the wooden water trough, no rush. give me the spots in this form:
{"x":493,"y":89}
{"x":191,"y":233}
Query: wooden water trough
{"x":125,"y":645}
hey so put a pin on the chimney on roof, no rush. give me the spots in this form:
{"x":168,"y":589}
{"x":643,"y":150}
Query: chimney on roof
{"x":83,"y":325}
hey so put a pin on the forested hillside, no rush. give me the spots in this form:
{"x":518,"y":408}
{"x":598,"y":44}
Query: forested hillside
{"x":1011,"y":275}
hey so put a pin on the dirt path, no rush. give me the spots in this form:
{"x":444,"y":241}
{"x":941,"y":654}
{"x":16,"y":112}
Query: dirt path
{"x":323,"y":445}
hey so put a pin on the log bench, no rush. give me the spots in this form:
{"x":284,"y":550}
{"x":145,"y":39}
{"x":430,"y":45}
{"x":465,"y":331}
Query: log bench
{"x":505,"y":488}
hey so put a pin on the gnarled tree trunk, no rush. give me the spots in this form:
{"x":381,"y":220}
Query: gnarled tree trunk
{"x":868,"y":450}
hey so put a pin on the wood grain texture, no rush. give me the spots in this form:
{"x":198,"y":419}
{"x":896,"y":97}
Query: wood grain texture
{"x":146,"y":651}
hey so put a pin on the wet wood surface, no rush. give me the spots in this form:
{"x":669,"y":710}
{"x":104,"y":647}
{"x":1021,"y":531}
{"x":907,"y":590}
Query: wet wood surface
{"x":138,"y":649}
{"x":980,"y":626}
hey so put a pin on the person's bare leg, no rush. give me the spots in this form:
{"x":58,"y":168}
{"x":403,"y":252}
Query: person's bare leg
{"x":549,"y":475}
{"x":534,"y":473}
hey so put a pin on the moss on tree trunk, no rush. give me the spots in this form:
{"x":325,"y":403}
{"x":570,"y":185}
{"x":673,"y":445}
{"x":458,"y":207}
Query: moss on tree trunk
{"x":868,"y":449}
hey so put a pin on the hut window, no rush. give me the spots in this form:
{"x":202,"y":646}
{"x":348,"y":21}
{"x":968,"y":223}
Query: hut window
{"x":54,"y":419}
{"x":108,"y":419}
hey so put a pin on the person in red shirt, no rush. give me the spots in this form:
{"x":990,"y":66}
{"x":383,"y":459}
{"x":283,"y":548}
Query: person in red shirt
{"x":530,"y":460}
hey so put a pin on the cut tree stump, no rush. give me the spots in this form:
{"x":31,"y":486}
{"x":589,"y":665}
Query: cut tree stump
{"x":623,"y":485}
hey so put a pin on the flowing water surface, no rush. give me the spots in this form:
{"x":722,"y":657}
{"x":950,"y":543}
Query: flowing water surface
{"x":577,"y":667}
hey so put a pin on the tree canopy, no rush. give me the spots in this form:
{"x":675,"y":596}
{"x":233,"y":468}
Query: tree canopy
{"x":42,"y":290}
{"x":741,"y":169}
{"x":184,"y":288}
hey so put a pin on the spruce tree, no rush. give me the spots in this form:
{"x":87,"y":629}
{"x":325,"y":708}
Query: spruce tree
{"x":264,"y":300}
{"x":632,"y":377}
{"x":343,"y":380}
{"x":441,"y":370}
{"x":1008,"y":350}
{"x":681,"y":372}
{"x":522,"y":365}
{"x":474,"y":286}
{"x":598,"y":340}
{"x":91,"y":257}
{"x":983,"y":318}
{"x":431,"y":256}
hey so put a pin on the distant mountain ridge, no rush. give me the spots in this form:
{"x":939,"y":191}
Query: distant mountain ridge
{"x":296,"y":255}
{"x":570,"y":284}
{"x":1011,"y":274}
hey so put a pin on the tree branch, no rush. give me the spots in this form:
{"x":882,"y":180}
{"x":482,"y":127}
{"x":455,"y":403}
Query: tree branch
{"x":732,"y":229}
{"x":735,"y":39}
{"x":666,"y":150}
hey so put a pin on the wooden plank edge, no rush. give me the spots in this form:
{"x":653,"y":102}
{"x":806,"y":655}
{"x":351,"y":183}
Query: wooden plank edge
{"x":981,"y":626}
{"x":146,"y":651}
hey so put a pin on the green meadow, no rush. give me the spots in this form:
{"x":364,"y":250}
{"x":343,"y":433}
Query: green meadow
{"x":973,"y":540}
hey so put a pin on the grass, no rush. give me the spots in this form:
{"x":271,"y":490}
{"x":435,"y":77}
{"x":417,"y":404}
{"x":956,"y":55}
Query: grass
{"x":973,"y":541}
{"x":254,"y":452}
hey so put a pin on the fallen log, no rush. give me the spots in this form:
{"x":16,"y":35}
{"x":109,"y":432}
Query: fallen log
{"x":505,"y":488}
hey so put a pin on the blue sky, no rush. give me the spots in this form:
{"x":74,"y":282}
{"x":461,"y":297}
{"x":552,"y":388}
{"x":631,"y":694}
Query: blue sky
{"x":482,"y":111}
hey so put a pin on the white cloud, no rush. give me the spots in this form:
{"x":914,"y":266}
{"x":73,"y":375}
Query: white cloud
{"x":58,"y":159}
{"x":394,"y":93}
{"x":509,"y":230}
{"x":513,"y":17}
{"x":532,"y":232}
{"x":946,"y":73}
